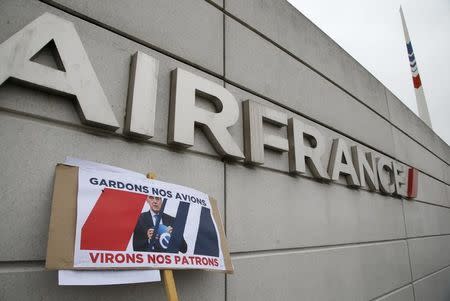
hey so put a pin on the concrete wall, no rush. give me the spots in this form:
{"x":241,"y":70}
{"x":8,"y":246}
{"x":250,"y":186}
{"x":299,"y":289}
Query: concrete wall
{"x":291,"y":238}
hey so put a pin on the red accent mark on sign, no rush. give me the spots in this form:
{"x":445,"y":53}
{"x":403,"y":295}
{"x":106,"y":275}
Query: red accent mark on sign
{"x":111,"y":222}
{"x":416,"y":81}
{"x":413,"y":176}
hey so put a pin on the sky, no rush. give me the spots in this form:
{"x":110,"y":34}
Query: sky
{"x":372,"y":33}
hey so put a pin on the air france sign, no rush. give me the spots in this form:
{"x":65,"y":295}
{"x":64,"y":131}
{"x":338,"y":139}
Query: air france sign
{"x":304,"y":144}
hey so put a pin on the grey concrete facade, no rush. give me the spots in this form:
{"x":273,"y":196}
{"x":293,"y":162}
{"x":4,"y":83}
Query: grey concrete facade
{"x":291,"y":237}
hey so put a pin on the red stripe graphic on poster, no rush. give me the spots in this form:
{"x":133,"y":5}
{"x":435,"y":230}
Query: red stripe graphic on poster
{"x":110,"y":224}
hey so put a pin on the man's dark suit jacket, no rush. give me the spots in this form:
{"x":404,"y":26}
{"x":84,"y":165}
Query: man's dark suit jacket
{"x":145,"y":222}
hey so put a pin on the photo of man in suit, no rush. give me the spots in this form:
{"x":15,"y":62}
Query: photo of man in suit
{"x":145,"y":239}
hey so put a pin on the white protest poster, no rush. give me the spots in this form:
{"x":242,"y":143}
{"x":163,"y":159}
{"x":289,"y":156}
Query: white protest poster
{"x":77,"y":277}
{"x":130,"y":222}
{"x":74,"y":277}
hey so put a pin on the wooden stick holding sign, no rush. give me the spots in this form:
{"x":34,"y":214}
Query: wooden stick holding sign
{"x":169,"y":281}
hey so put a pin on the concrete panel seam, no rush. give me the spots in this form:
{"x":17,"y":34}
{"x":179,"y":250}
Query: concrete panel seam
{"x":223,"y":44}
{"x":258,"y":253}
{"x":225,"y":197}
{"x":225,"y":295}
{"x":431,"y":274}
{"x":391,"y":129}
{"x":431,"y":204}
{"x":215,"y":4}
{"x":392,"y":292}
{"x":407,"y":248}
{"x":212,"y":73}
{"x":427,"y":236}
{"x":286,"y":251}
{"x":224,"y":164}
{"x":7,"y":267}
{"x":387,"y":102}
